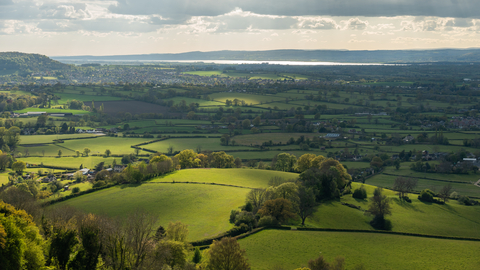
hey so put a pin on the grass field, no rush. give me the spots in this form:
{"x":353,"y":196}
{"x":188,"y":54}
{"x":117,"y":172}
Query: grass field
{"x":248,"y":98}
{"x":293,"y":249}
{"x":39,"y":139}
{"x":451,"y":219}
{"x":50,"y":110}
{"x":258,"y":139}
{"x":204,"y":208}
{"x":72,"y":162}
{"x":238,"y":177}
{"x":212,"y":144}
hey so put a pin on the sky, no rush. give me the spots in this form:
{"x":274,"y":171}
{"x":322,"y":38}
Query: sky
{"x":105,"y":27}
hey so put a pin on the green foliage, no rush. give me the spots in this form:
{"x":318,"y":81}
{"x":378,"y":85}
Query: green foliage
{"x":360,"y":193}
{"x":76,"y":190}
{"x":226,"y":254}
{"x":280,"y":209}
{"x":426,"y":195}
{"x":197,"y":256}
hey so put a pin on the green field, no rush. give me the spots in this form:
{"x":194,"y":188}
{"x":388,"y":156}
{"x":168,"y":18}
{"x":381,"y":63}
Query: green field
{"x":204,"y":208}
{"x":50,"y":110}
{"x":212,"y":144}
{"x":40,"y":139}
{"x":72,"y":162}
{"x":451,"y":219}
{"x":239,"y":177}
{"x":271,"y":249}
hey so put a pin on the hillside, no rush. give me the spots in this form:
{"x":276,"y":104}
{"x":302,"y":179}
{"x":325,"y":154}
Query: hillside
{"x":442,"y":55}
{"x":11,"y":62}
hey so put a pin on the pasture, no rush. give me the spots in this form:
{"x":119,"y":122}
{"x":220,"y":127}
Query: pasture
{"x":204,"y":208}
{"x":250,"y":178}
{"x":293,"y":249}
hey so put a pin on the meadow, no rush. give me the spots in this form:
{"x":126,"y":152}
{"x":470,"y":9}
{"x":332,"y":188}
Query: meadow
{"x":270,"y":249}
{"x":204,"y":208}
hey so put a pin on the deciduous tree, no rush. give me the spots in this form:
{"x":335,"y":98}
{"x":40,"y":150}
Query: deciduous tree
{"x":226,"y":254}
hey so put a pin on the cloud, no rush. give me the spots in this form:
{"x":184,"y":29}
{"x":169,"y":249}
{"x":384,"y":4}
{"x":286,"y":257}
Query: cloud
{"x":317,"y":23}
{"x":355,"y":24}
{"x":374,"y":8}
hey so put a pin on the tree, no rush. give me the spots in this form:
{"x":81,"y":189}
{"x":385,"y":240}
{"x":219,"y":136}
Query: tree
{"x":197,"y":256}
{"x":257,"y":121}
{"x":256,"y":197}
{"x":59,"y":152}
{"x":305,"y":162}
{"x":280,"y":208}
{"x":306,"y":203}
{"x":445,"y":192}
{"x":21,"y":245}
{"x":187,"y":159}
{"x":177,"y":232}
{"x":376,"y":163}
{"x":379,"y":207}
{"x":226,"y":254}
{"x":404,"y":185}
{"x":321,"y":264}
{"x":86,"y":151}
{"x":285,"y":162}
{"x":246,"y":124}
{"x":19,"y":166}
{"x":108,"y":152}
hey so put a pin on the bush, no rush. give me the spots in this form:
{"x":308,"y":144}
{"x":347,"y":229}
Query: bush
{"x":464,"y":200}
{"x":237,"y":230}
{"x":98,"y":184}
{"x":426,"y":195}
{"x":360,"y":193}
{"x":454,"y":195}
{"x":267,"y":221}
{"x":247,"y":218}
{"x":407,"y":199}
{"x":233,"y":215}
{"x":75,"y":190}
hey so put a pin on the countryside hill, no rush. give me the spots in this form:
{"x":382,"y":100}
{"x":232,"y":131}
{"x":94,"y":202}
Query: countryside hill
{"x":380,"y":56}
{"x":11,"y":62}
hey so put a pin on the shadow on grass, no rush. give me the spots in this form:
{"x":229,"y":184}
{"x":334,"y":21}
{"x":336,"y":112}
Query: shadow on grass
{"x":406,"y":205}
{"x":123,"y":186}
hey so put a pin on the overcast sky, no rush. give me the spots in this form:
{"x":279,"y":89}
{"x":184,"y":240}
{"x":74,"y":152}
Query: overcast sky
{"x":104,"y":27}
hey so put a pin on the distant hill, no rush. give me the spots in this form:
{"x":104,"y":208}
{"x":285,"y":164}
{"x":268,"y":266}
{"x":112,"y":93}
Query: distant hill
{"x":393,"y":56}
{"x":11,"y":62}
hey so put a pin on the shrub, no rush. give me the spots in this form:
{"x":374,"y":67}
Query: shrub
{"x":267,"y":221}
{"x":237,"y":230}
{"x":407,"y":199}
{"x":233,"y":215}
{"x":454,"y":195}
{"x":426,"y":195}
{"x":75,"y":190}
{"x":464,"y":200}
{"x":248,"y":207}
{"x":247,"y":218}
{"x":360,"y":193}
{"x":98,"y":184}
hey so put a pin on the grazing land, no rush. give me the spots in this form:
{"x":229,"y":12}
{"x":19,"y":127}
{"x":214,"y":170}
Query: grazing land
{"x":293,"y":249}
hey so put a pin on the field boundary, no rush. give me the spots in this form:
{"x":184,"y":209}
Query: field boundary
{"x":389,"y":232}
{"x":198,"y":183}
{"x":433,"y":179}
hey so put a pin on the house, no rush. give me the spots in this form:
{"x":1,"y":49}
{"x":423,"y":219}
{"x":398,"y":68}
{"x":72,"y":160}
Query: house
{"x":84,"y":171}
{"x":408,"y":139}
{"x":332,"y":135}
{"x":118,"y":168}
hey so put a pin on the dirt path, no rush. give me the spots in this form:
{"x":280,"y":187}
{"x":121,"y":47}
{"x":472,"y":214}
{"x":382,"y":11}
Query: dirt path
{"x":477,"y":183}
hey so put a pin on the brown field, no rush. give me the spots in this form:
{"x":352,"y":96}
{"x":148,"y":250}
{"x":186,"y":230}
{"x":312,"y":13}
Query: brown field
{"x":131,"y":106}
{"x":258,"y":139}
